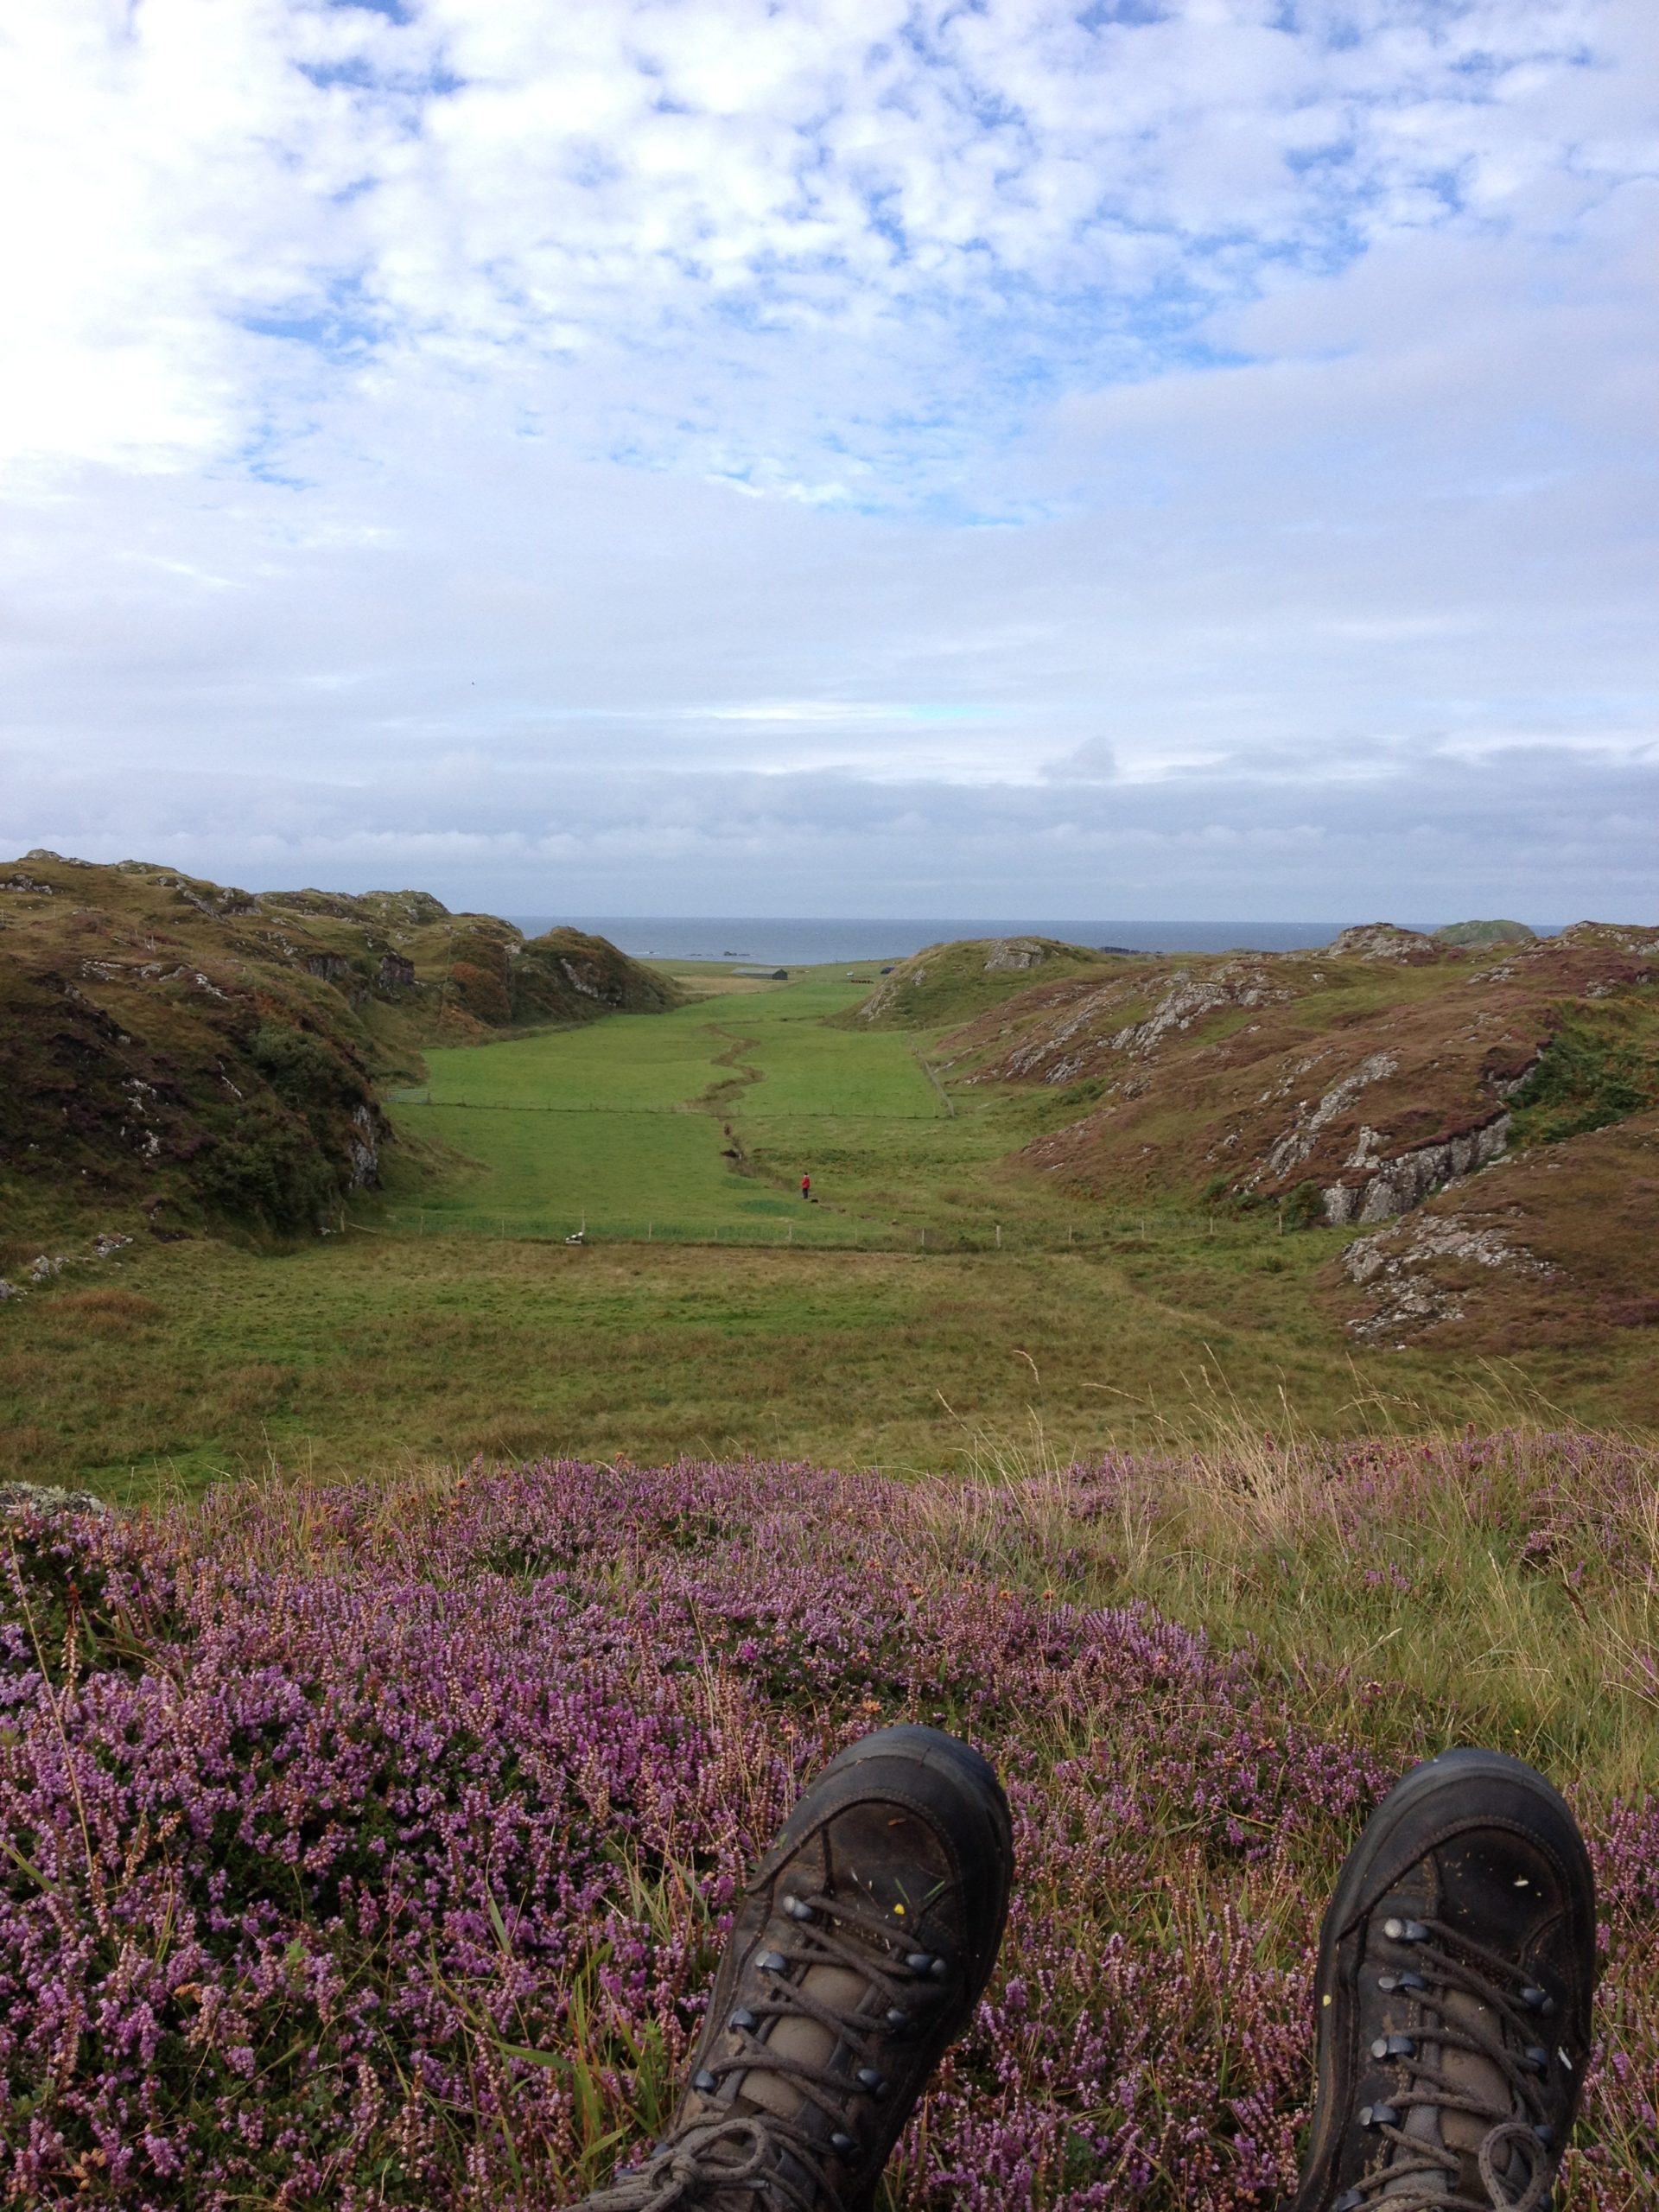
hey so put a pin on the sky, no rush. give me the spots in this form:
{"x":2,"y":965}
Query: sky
{"x":1172,"y":458}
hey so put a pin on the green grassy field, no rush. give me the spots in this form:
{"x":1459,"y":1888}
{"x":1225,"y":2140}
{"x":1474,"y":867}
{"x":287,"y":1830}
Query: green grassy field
{"x":701,"y":1123}
{"x":933,"y":1298}
{"x":625,"y":1126}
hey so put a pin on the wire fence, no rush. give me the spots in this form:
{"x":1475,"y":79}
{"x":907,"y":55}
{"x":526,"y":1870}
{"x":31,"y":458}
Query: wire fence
{"x":806,"y":1231}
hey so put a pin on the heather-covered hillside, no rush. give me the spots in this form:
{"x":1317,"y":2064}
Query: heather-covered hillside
{"x":372,"y":1846}
{"x":208,"y":1054}
{"x":956,"y":981}
{"x":1347,"y":1086}
{"x":1371,"y":1070}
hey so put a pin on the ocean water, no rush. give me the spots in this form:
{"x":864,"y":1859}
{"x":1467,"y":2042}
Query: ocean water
{"x":802,"y":941}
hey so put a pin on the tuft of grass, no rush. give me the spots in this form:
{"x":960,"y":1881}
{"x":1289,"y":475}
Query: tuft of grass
{"x":1504,"y":1586}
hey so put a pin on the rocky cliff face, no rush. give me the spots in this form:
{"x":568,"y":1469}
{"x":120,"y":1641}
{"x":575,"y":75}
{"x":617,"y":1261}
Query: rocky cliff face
{"x":1397,"y":1185}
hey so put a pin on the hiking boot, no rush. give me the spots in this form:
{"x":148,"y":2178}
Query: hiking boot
{"x":1456,"y":1965}
{"x":858,"y":1954}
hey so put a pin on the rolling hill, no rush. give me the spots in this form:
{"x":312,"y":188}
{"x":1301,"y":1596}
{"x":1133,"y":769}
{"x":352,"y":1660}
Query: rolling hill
{"x":1516,"y":1077}
{"x":215,"y":1054}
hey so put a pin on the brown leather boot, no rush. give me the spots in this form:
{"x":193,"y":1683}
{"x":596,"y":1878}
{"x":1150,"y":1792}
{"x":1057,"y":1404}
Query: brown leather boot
{"x":1457,"y":1964}
{"x":857,"y":1956}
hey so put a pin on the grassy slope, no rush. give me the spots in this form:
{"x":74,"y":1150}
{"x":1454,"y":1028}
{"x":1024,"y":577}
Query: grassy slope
{"x":189,"y":1359}
{"x":953,"y":982}
{"x":169,"y":1042}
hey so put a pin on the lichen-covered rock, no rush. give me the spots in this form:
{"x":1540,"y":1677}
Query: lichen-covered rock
{"x":1396,"y":1185}
{"x":1403,"y":1270}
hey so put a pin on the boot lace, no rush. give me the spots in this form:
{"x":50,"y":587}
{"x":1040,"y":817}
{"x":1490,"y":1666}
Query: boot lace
{"x":755,"y":2151}
{"x":1422,"y":2181}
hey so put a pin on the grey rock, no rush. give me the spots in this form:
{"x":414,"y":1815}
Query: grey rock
{"x":1396,"y":1185}
{"x":47,"y":1498}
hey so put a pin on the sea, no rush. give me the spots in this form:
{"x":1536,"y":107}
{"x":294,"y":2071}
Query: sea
{"x":797,"y":941}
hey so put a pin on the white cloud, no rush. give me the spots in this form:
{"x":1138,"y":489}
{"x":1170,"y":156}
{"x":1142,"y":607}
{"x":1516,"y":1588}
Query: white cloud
{"x":1221,"y":406}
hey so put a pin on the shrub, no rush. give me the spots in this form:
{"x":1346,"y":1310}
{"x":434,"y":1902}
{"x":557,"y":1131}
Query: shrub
{"x":1586,"y":1077}
{"x":1304,"y":1207}
{"x":273,"y":1172}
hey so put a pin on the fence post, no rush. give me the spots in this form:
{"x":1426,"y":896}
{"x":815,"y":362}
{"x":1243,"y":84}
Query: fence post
{"x":999,"y":1237}
{"x":924,"y":1239}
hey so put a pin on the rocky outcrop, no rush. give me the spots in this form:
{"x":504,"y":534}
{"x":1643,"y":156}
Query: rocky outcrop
{"x":1015,"y":952}
{"x":1554,"y":1247}
{"x":363,"y":1147}
{"x":565,"y":974}
{"x":1385,"y":941}
{"x":1396,"y":1185}
{"x":1404,"y":1270}
{"x":1297,"y":1143}
{"x":47,"y":1498}
{"x":1189,"y":999}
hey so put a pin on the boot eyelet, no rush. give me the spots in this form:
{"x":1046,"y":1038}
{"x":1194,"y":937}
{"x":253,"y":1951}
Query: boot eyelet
{"x":846,"y":2146}
{"x":771,"y":1962}
{"x":1536,"y":2057}
{"x":1537,"y":2000}
{"x":1405,"y":1931}
{"x":1394,"y":2047}
{"x":798,"y":1908}
{"x":897,"y":2020}
{"x":868,"y":2078}
{"x":1378,"y":2116}
{"x":1350,"y":2201}
{"x":743,"y":2018}
{"x":919,"y":1962}
{"x":704,"y":2080}
{"x":1391,"y":1982}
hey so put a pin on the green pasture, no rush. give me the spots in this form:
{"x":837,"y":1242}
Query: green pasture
{"x":173,"y":1364}
{"x":624,"y":1126}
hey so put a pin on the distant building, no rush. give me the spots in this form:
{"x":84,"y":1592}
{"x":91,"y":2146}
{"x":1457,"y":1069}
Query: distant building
{"x":769,"y":974}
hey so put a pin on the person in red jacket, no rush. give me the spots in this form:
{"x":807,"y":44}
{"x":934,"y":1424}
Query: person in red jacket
{"x":806,"y":1186}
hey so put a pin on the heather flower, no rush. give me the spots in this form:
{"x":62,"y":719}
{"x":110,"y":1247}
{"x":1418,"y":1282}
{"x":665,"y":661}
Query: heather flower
{"x":366,"y":1849}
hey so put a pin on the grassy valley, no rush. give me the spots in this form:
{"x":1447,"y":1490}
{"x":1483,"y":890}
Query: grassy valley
{"x":1179,"y":1381}
{"x":1084,"y":1191}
